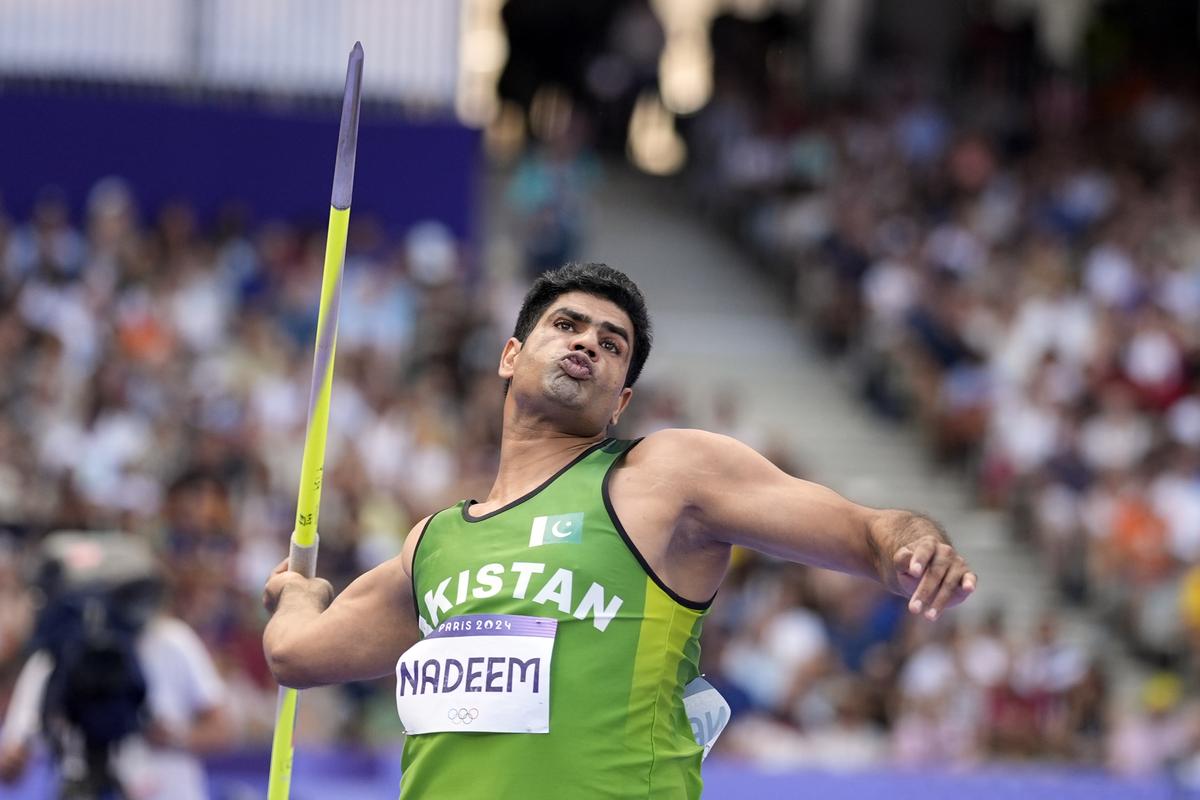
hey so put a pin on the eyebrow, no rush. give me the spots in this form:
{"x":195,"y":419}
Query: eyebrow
{"x":579,"y":316}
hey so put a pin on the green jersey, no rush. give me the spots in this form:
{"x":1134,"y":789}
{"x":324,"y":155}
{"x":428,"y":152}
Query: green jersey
{"x":624,"y":646}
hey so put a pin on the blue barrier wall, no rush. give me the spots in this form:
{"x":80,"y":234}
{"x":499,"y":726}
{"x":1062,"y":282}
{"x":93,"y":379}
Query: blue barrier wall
{"x":278,"y":162}
{"x":354,"y":775}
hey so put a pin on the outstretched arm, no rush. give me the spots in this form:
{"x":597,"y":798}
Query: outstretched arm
{"x":313,"y":639}
{"x":734,"y":495}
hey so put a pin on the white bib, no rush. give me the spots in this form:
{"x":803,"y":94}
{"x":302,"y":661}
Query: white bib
{"x":707,"y":712}
{"x":485,"y":673}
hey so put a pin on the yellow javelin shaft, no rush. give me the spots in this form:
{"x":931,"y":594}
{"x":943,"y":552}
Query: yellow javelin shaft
{"x":308,"y":502}
{"x":303,"y":554}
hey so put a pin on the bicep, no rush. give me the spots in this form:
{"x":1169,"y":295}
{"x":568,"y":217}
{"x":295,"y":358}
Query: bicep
{"x":742,"y":498}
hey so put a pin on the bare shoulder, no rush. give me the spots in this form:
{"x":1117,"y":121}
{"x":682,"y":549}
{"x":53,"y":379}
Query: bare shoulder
{"x":690,"y":453}
{"x":654,"y":493}
{"x":683,"y":444}
{"x":677,"y":469}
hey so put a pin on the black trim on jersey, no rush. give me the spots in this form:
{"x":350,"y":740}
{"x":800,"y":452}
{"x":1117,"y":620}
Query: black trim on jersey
{"x":612,"y":515}
{"x":412,"y":568}
{"x":468,"y":503}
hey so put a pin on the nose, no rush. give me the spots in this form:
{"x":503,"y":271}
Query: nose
{"x":584,"y":344}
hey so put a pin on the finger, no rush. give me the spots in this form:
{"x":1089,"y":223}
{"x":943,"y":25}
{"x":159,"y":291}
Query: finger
{"x":970,"y":582}
{"x":927,"y":588}
{"x":901,"y":559}
{"x":269,"y":596}
{"x":273,"y":589}
{"x":964,"y":590}
{"x":945,"y":594}
{"x":923,"y":553}
{"x":281,"y":567}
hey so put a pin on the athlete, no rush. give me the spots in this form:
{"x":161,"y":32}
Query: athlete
{"x":544,"y":637}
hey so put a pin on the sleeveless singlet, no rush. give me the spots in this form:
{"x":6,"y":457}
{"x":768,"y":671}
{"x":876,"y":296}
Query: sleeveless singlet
{"x":625,"y":647}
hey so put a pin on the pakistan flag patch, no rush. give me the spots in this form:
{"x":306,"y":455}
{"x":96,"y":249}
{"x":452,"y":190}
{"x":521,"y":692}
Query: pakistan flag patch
{"x":556,"y":529}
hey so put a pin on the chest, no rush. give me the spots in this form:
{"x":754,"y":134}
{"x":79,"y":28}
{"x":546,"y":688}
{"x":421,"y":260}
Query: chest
{"x":561,"y":559}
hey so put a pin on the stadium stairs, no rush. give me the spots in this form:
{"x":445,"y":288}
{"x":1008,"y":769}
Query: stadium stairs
{"x":720,"y":322}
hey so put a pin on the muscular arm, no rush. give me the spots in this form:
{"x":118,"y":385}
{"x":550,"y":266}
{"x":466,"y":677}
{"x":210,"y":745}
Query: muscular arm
{"x":735,"y":496}
{"x":310,"y":641}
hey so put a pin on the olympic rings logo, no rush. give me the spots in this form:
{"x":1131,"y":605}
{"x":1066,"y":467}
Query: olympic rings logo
{"x":463,"y":715}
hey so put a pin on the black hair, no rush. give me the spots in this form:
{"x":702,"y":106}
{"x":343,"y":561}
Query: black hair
{"x":600,"y":280}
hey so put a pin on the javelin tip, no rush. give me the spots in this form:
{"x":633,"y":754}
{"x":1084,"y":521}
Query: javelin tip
{"x":343,"y":171}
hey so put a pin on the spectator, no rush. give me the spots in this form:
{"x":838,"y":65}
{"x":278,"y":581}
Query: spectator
{"x":1164,"y":731}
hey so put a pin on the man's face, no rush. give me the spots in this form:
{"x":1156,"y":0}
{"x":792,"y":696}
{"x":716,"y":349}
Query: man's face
{"x":573,"y":363}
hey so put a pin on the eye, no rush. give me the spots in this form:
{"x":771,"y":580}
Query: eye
{"x":564,"y":325}
{"x":611,"y":346}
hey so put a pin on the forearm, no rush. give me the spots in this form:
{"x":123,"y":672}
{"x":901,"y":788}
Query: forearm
{"x":287,"y":633}
{"x":313,"y":639}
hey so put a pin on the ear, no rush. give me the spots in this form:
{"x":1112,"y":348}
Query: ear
{"x":508,"y":357}
{"x":622,"y":402}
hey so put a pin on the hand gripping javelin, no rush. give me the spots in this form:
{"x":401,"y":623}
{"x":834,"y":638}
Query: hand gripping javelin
{"x":303,"y":555}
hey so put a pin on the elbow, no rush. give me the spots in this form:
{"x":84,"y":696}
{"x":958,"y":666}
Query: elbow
{"x":286,"y":662}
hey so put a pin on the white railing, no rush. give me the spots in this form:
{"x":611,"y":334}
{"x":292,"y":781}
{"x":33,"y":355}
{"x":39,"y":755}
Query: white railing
{"x":278,"y":45}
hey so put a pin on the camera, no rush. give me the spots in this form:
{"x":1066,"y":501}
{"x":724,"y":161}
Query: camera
{"x":96,"y":591}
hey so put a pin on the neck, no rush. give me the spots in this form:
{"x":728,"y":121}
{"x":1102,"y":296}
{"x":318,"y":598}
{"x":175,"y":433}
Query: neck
{"x":531,"y":450}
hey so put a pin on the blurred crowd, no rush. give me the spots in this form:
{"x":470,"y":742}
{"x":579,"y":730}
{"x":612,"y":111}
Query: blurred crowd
{"x":1010,"y":261}
{"x":157,"y":382}
{"x":825,"y":671}
{"x":1015,"y":271}
{"x":159,"y":372}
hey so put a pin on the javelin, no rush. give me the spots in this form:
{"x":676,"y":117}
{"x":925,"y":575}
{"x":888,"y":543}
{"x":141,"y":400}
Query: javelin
{"x":303,"y":555}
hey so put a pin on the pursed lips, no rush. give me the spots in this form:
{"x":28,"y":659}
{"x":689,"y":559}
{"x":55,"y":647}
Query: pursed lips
{"x":577,"y":365}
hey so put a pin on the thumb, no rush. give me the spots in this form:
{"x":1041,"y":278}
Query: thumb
{"x":902,"y":559}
